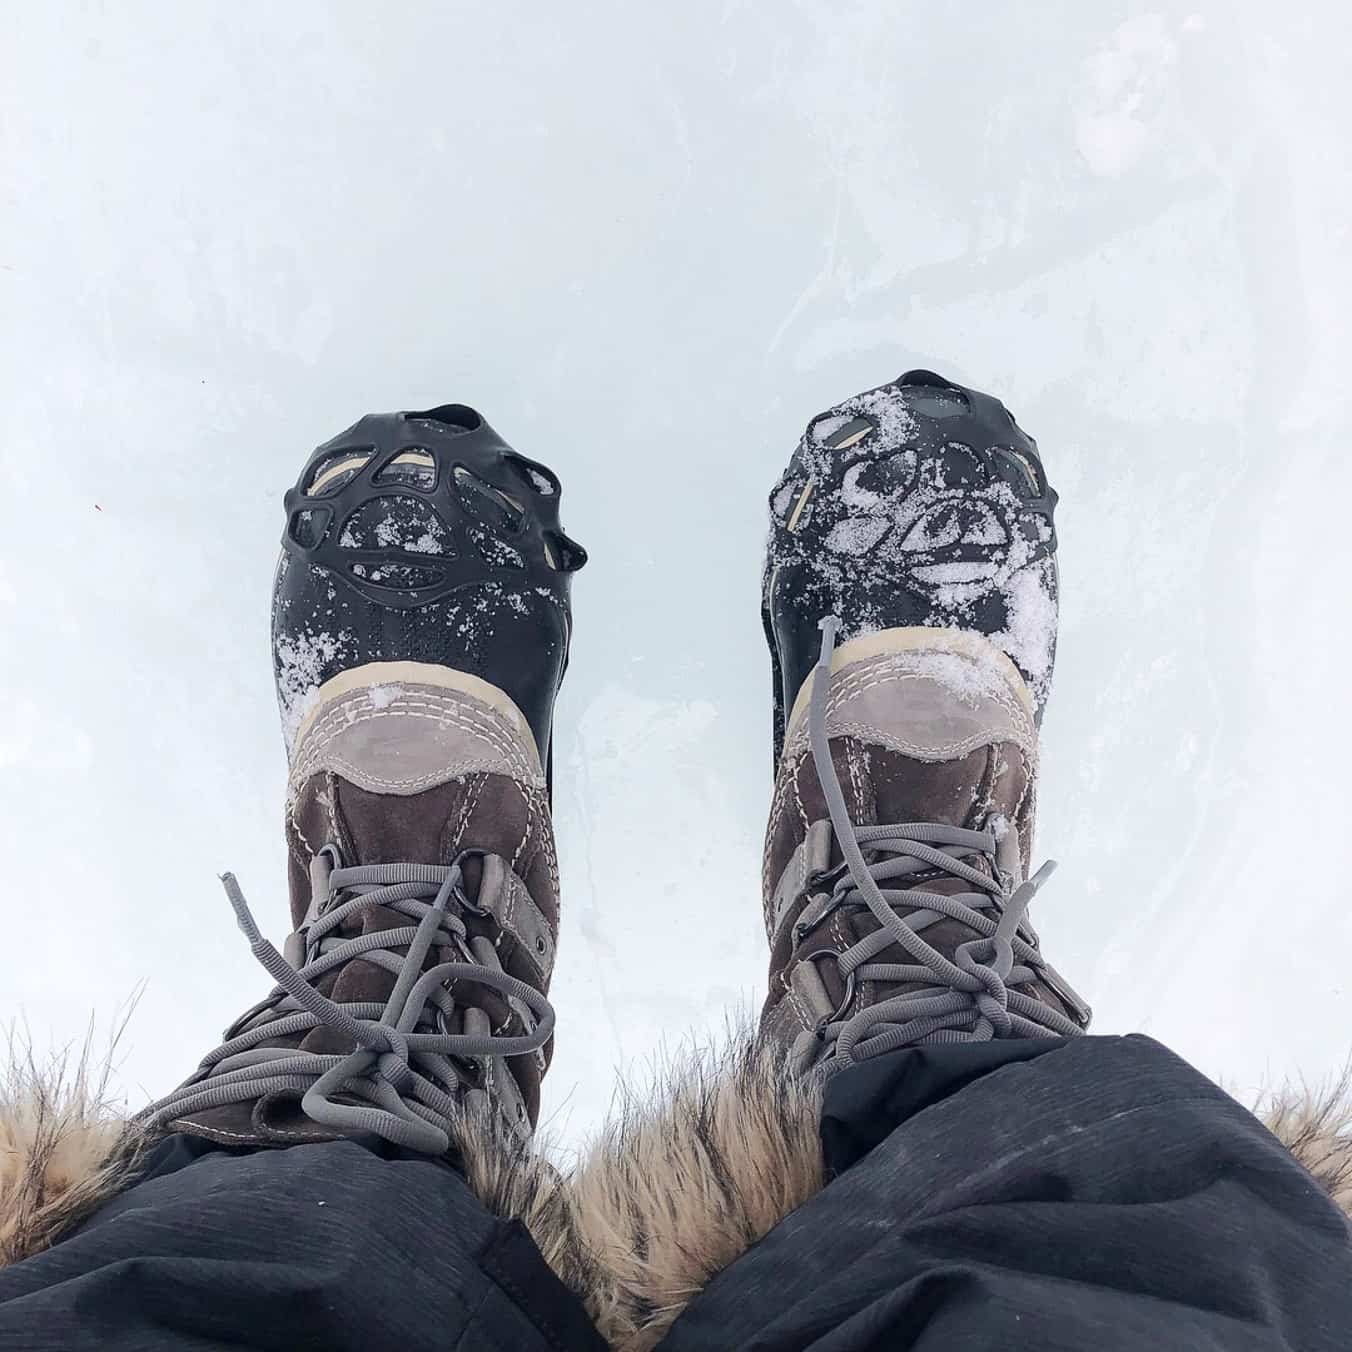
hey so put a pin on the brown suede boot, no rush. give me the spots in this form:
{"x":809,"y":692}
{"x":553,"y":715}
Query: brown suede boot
{"x":421,"y":626}
{"x":917,"y":520}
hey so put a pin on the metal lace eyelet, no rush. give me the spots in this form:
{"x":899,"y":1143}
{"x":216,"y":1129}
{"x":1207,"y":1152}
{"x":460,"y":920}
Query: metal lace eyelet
{"x":802,"y":928}
{"x":845,"y":1000}
{"x":458,"y":891}
{"x":824,"y":879}
{"x":472,"y":1070}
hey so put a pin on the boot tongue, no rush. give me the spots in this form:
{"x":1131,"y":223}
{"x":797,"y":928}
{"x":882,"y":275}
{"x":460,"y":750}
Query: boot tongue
{"x":372,"y":828}
{"x":383,"y":828}
{"x":890,"y":788}
{"x":885,"y":787}
{"x":386,"y":829}
{"x":966,"y":792}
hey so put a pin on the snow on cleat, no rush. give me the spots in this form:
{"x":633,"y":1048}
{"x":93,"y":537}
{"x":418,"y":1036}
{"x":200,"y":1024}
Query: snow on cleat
{"x":420,"y":631}
{"x":423,"y":537}
{"x":920,"y":503}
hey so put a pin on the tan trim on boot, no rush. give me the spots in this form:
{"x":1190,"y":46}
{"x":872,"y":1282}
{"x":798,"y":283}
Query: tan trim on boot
{"x":418,"y":673}
{"x":403,"y":727}
{"x":963,"y":662}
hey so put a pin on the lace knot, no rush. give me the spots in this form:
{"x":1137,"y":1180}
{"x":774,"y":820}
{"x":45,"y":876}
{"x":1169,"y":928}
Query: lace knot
{"x":409,"y":1077}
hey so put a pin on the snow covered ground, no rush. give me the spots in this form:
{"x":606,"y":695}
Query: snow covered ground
{"x":649,"y":242}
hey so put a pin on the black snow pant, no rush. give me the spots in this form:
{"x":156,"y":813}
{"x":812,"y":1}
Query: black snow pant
{"x":1095,"y":1195}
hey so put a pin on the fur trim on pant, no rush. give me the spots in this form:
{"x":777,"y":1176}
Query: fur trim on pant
{"x":64,"y":1147}
{"x":686,"y":1176}
{"x":690,"y":1171}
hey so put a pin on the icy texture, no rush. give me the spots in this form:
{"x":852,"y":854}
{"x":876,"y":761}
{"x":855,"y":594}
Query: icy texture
{"x":1128,"y":223}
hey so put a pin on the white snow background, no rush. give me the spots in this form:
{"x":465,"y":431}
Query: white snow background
{"x":649,"y":242}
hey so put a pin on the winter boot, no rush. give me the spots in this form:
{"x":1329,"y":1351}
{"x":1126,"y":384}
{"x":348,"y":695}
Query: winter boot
{"x":910,"y":598}
{"x":420,"y":629}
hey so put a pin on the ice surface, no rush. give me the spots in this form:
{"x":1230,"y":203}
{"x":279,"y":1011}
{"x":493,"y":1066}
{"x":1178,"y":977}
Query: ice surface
{"x":1129,"y":226}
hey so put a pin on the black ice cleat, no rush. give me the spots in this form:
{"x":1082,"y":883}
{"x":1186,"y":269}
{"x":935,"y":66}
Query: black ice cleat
{"x":424,"y":538}
{"x":920,"y":503}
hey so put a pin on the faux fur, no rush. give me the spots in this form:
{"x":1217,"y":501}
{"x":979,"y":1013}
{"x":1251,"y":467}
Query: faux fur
{"x":692,"y":1169}
{"x":518,"y":1182}
{"x":1315,"y":1125}
{"x":688,"y":1173}
{"x":64,"y":1147}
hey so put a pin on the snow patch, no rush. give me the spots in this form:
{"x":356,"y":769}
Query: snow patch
{"x":857,"y":535}
{"x":956,"y":572}
{"x":426,"y":543}
{"x":382,"y":696}
{"x":1029,"y":635}
{"x":302,"y":661}
{"x":852,"y":494}
{"x":969,"y":678}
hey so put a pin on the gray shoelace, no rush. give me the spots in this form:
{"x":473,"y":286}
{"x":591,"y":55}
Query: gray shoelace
{"x":966,"y":999}
{"x":407,"y":1079}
